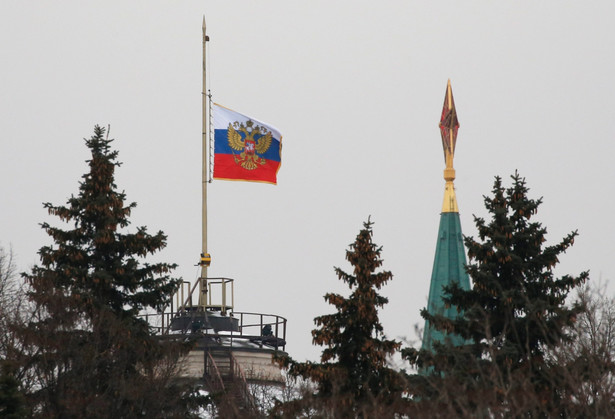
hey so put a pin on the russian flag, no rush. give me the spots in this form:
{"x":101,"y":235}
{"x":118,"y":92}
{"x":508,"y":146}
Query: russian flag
{"x":245,"y":148}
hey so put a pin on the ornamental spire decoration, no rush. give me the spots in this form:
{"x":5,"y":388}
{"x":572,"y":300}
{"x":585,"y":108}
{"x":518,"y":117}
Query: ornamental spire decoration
{"x":449,"y":124}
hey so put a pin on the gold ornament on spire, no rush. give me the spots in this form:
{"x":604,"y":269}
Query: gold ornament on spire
{"x":449,"y":124}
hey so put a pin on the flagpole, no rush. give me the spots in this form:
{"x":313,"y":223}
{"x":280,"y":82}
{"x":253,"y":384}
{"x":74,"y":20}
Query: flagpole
{"x":204,"y":261}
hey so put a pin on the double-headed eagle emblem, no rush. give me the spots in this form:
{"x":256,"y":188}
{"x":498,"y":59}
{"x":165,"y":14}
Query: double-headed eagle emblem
{"x":254,"y":142}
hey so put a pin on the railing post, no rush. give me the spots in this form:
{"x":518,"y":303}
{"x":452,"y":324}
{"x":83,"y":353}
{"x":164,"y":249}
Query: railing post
{"x":284,"y":337}
{"x":182,"y":294}
{"x":206,"y":360}
{"x":277,"y":331}
{"x":241,"y":324}
{"x":208,"y":293}
{"x":223,"y":308}
{"x":260,"y":331}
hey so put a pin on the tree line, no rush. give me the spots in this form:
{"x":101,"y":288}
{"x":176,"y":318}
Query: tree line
{"x":72,"y":343}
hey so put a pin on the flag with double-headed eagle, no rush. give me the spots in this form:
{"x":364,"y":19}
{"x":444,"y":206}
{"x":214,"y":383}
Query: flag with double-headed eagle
{"x":245,"y":148}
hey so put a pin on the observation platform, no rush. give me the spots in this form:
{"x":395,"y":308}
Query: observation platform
{"x":228,"y":343}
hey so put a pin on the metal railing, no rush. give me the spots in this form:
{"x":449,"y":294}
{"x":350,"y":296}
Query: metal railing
{"x":260,"y":328}
{"x":212,"y":374}
{"x":243,"y":389}
{"x":184,"y":295}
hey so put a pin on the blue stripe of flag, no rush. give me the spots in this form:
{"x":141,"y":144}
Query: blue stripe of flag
{"x":221,"y":146}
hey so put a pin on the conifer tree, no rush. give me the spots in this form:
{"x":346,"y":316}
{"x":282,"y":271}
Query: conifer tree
{"x":88,"y":350}
{"x":515,"y":312}
{"x":352,"y":377}
{"x":12,"y":400}
{"x":12,"y":311}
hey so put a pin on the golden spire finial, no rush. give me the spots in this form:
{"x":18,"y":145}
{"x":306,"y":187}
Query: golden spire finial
{"x":449,"y":124}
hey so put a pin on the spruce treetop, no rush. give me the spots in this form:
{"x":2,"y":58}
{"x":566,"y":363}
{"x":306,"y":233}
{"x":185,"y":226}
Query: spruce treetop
{"x":96,"y":258}
{"x":91,"y":353}
{"x":513,"y":279}
{"x":353,"y":371}
{"x":513,"y":317}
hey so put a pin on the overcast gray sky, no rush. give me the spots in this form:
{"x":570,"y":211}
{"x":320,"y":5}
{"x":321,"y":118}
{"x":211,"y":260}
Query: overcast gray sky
{"x":356,"y":88}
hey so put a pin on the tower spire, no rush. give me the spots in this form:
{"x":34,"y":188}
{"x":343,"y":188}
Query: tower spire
{"x":449,"y":124}
{"x":450,"y":260}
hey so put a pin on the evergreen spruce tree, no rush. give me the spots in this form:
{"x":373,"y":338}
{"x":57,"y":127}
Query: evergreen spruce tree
{"x":352,"y":377}
{"x":89,"y":352}
{"x":12,"y":400}
{"x":515,"y":313}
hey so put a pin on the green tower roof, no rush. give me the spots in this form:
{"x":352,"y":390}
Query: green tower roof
{"x":450,"y":260}
{"x":448,"y":267}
